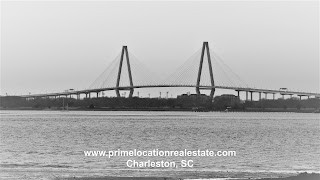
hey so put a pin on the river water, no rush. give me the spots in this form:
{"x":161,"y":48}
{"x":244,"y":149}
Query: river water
{"x":51,"y":144}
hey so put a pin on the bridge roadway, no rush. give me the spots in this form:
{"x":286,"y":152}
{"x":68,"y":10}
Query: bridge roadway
{"x":238,"y":89}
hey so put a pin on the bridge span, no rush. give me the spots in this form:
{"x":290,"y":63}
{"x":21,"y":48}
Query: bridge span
{"x":88,"y":92}
{"x":190,"y":75}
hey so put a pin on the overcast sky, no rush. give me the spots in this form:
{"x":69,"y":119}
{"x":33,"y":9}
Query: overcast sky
{"x":53,"y":46}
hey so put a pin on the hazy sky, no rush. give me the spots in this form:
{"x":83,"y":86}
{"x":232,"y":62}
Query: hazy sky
{"x":53,"y":46}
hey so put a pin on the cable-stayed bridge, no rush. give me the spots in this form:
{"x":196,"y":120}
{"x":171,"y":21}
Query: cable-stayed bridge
{"x":203,"y":70}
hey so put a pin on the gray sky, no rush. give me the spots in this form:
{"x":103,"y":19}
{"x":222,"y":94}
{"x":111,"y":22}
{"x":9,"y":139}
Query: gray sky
{"x":53,"y":46}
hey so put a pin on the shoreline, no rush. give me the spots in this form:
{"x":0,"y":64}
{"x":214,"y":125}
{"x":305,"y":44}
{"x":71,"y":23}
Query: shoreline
{"x":154,"y":175}
{"x":60,"y":174}
{"x":167,"y":109}
{"x":300,"y":176}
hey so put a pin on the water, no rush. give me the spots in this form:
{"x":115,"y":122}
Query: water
{"x":49,"y":144}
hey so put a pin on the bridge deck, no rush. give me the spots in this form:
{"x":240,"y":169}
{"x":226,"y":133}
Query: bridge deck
{"x":269,"y":91}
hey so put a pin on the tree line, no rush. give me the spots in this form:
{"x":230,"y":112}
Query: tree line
{"x":200,"y":102}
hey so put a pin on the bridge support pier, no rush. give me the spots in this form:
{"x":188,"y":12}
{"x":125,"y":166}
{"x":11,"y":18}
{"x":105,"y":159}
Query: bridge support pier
{"x":205,"y":47}
{"x":131,"y":93}
{"x":246,"y":95}
{"x":251,"y":95}
{"x":238,"y":93}
{"x":118,"y":93}
{"x":97,"y":94}
{"x":259,"y":96}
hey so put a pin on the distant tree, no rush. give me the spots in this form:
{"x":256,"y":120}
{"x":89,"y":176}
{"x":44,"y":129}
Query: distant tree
{"x":284,"y":106}
{"x":71,"y":104}
{"x":91,"y":106}
{"x":299,"y":106}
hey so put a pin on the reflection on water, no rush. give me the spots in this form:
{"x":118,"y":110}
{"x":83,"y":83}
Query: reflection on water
{"x":53,"y":141}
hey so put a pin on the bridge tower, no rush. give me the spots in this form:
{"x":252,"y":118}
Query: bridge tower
{"x":205,"y":47}
{"x":124,"y":52}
